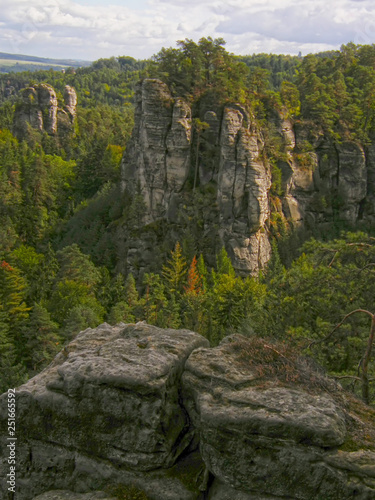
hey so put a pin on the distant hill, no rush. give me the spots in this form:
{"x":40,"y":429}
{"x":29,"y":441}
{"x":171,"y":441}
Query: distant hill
{"x":20,"y":62}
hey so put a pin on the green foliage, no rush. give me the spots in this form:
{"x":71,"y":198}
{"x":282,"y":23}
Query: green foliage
{"x":278,"y":67}
{"x":42,"y":339}
{"x":159,"y":309}
{"x":128,"y":307}
{"x":195,"y":68}
{"x":60,"y":194}
{"x":12,"y":373}
{"x":175,"y":270}
{"x":73,"y":301}
{"x":290,"y":98}
{"x":325,"y":283}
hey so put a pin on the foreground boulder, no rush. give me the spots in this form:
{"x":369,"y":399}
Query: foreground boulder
{"x":109,"y":401}
{"x":278,"y":437}
{"x":134,"y":411}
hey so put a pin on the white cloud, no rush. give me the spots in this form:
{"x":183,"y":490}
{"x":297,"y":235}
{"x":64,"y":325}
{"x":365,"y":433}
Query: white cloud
{"x":60,"y":28}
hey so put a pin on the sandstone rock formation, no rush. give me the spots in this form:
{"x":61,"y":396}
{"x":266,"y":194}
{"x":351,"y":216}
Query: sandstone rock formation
{"x":39,"y":110}
{"x":272,"y":440}
{"x":160,"y":411}
{"x":162,"y":155}
{"x":70,"y":495}
{"x":109,"y":402}
{"x":158,"y":158}
{"x":244,"y":180}
{"x":328,"y":181}
{"x":323,"y":181}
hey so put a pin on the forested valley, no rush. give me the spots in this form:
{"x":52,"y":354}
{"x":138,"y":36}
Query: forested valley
{"x":61,"y":206}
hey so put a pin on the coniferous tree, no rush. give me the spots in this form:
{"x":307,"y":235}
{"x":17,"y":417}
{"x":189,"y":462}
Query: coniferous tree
{"x":12,"y":373}
{"x":175,"y":270}
{"x":43,"y":341}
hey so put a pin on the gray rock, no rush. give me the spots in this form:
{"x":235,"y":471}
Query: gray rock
{"x":243,"y":184}
{"x":160,"y":122}
{"x":112,"y":394}
{"x":70,"y":99}
{"x":70,"y":495}
{"x":221,"y":491}
{"x":161,"y":156}
{"x":352,"y":179}
{"x":273,"y":440}
{"x":48,"y":104}
{"x":333,"y":171}
{"x":39,"y":110}
{"x":127,"y":406}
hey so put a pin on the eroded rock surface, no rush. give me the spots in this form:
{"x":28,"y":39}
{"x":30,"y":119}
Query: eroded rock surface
{"x":325,"y":180}
{"x":112,"y":394}
{"x":270,"y":440}
{"x":162,"y":156}
{"x":70,"y":495}
{"x":39,"y":109}
{"x":314,"y":181}
{"x":161,"y":412}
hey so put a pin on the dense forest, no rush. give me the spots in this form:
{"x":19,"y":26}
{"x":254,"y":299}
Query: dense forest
{"x":61,"y":205}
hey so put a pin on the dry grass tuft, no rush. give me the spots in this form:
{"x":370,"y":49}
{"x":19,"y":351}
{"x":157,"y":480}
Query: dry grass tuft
{"x":281,"y":362}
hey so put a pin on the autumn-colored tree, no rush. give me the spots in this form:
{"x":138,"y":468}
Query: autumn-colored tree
{"x":194,"y":298}
{"x":194,"y":281}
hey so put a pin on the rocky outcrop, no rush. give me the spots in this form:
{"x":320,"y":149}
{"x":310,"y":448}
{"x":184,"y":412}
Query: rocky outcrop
{"x":70,"y":99}
{"x":39,"y":109}
{"x":165,"y":152}
{"x":244,"y":181}
{"x":108,"y":403}
{"x":322,"y":181}
{"x":158,"y":411}
{"x":267,"y":439}
{"x":158,"y":158}
{"x":70,"y":495}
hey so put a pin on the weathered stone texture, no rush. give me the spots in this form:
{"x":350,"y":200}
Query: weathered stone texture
{"x":161,"y":411}
{"x":322,"y":181}
{"x":334,"y":181}
{"x":162,"y":154}
{"x":267,"y":439}
{"x":113,"y":393}
{"x":39,"y":110}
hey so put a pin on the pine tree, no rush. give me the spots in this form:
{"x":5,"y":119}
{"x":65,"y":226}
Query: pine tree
{"x":223,"y":265}
{"x":175,"y":270}
{"x":131,"y":292}
{"x":155,"y":299}
{"x":128,"y":307}
{"x":194,"y":281}
{"x":12,"y":373}
{"x":194,"y":298}
{"x":43,"y":341}
{"x":203,"y":273}
{"x":12,"y":304}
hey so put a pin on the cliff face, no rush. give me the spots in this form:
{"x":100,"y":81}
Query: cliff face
{"x":331,"y":181}
{"x":162,"y":156}
{"x":164,"y":412}
{"x":39,"y":110}
{"x":321,"y":181}
{"x":158,"y":157}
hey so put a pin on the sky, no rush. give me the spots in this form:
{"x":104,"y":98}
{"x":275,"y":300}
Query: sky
{"x":91,"y":29}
